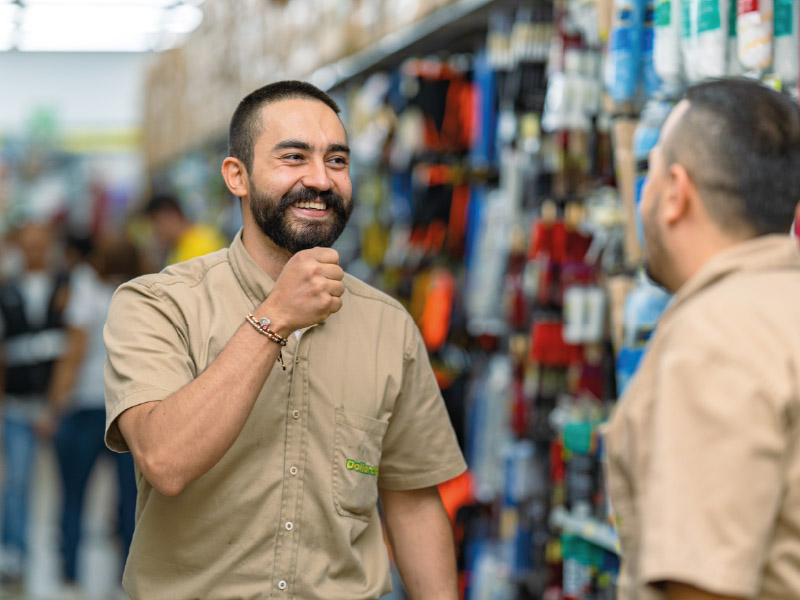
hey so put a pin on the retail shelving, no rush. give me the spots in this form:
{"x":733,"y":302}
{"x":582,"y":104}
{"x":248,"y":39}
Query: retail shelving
{"x":588,"y":528}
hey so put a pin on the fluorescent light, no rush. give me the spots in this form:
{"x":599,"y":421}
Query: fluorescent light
{"x":95,"y":3}
{"x":97,"y":25}
{"x":98,"y":42}
{"x":8,"y":15}
{"x":84,"y":18}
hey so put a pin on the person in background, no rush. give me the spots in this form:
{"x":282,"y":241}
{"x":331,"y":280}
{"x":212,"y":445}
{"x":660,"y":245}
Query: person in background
{"x":177,"y":235}
{"x":270,"y":400}
{"x":32,"y":305}
{"x":76,"y":407}
{"x":703,"y":455}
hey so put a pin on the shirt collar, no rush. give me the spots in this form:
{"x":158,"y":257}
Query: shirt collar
{"x":254,"y":281}
{"x":768,"y":252}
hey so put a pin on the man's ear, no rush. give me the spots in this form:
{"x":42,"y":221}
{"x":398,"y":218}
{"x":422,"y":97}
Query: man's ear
{"x":235,"y":175}
{"x":680,"y":195}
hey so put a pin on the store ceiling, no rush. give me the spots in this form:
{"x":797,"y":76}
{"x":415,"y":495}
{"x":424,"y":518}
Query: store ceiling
{"x":96,"y":25}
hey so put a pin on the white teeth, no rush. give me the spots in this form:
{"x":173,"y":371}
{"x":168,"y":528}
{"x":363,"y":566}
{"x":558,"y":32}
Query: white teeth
{"x":311,"y":204}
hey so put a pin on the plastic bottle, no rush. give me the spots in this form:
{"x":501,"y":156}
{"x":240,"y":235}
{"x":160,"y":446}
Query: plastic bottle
{"x":643,"y":308}
{"x":786,"y":41}
{"x":651,"y":82}
{"x":735,"y":67}
{"x":688,"y":41}
{"x":666,"y":44}
{"x":705,"y":47}
{"x":754,"y":28}
{"x":624,"y":48}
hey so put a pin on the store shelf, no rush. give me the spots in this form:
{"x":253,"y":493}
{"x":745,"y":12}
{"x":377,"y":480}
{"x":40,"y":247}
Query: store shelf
{"x":459,"y":27}
{"x":592,"y":530}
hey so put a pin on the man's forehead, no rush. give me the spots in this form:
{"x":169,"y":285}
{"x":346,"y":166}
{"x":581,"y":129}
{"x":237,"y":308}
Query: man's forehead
{"x":279,"y":112}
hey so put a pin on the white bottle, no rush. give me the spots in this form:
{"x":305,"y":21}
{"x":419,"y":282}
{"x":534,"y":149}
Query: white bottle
{"x":666,"y":44}
{"x":754,"y":23}
{"x":786,"y":41}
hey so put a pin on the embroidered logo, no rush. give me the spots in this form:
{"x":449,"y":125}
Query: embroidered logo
{"x":360,"y":467}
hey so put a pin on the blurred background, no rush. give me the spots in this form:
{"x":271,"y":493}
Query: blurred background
{"x":499,"y":149}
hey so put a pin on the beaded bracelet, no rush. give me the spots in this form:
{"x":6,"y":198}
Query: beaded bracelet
{"x":263,"y":328}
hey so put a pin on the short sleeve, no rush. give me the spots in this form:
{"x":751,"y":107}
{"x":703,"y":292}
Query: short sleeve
{"x":420,"y":447}
{"x":714,"y":476}
{"x":147,"y":354}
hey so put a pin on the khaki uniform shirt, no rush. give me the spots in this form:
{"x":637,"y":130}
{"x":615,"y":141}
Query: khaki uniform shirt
{"x":290,"y":510}
{"x":703,"y":457}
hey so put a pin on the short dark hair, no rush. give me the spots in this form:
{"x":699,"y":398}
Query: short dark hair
{"x":740,"y":142}
{"x":162,"y":203}
{"x":246,"y":121}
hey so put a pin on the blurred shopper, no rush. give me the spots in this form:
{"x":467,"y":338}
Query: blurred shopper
{"x":704,"y":461}
{"x":76,"y":402}
{"x":178,"y":236}
{"x":261,"y":480}
{"x":32,"y":304}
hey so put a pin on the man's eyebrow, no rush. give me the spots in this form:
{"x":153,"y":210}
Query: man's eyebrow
{"x":300,"y":145}
{"x":339,"y":148}
{"x":292,"y":145}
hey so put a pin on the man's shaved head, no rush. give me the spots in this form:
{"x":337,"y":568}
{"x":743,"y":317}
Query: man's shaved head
{"x":740,"y":143}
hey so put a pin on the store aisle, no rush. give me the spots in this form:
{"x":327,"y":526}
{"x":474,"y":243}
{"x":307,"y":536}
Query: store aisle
{"x":98,"y":566}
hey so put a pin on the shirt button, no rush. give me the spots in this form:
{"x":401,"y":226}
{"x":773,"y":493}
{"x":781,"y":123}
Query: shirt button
{"x":296,"y":414}
{"x":293,"y":470}
{"x":289,"y":526}
{"x":281,"y":585}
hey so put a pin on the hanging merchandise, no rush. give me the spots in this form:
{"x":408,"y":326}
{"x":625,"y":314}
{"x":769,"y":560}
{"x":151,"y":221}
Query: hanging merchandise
{"x":754,"y":28}
{"x":734,"y":68}
{"x":643,"y":308}
{"x":648,"y":75}
{"x":787,"y":47}
{"x":666,"y":45}
{"x":704,"y":38}
{"x":624,"y":48}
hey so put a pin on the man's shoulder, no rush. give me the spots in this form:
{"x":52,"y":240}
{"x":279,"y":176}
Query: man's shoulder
{"x":370,"y":295}
{"x":187,"y":274}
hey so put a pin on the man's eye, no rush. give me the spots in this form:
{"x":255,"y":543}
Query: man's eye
{"x":339,"y":160}
{"x":293,"y":157}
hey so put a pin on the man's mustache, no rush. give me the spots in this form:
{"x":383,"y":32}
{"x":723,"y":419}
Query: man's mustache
{"x":305,"y":194}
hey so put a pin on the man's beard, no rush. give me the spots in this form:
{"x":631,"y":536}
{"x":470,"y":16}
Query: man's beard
{"x":655,"y":253}
{"x":273,"y":218}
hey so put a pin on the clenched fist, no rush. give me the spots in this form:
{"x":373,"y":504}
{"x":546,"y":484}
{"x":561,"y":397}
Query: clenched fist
{"x":308,"y":290}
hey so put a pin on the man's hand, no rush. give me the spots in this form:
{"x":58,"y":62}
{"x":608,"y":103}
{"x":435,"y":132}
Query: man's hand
{"x":307,"y":292}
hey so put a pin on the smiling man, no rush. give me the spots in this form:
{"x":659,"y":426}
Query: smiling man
{"x":703,"y":456}
{"x":270,"y":400}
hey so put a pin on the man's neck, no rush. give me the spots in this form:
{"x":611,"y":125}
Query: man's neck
{"x":269,"y":257}
{"x":706,"y":248}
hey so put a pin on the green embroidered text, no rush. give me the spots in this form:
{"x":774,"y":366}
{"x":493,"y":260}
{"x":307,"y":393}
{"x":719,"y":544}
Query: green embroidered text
{"x":360,"y":467}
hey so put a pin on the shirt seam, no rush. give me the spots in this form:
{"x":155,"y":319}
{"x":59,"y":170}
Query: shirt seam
{"x":411,"y":481}
{"x":388,"y":301}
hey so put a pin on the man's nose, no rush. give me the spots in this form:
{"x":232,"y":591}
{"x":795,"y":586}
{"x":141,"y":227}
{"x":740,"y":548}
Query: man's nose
{"x":316,"y":176}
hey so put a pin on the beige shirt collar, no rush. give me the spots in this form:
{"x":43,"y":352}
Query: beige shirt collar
{"x":254,"y":281}
{"x":770,"y":252}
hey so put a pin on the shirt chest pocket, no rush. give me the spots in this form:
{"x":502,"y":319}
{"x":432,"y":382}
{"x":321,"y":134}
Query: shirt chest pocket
{"x":356,"y":456}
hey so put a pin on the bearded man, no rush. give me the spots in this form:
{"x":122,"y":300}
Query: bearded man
{"x":270,"y":400}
